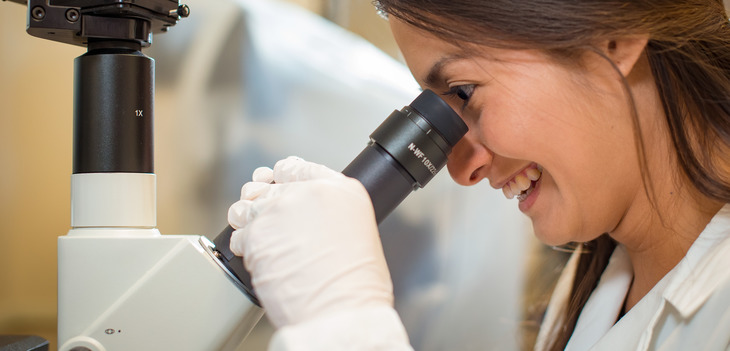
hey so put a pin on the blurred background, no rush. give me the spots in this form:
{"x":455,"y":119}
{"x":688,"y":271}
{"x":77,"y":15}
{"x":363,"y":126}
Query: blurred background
{"x":241,"y":84}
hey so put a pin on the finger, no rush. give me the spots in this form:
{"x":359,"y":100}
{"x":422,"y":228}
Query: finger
{"x":242,"y":216}
{"x":237,"y":244}
{"x":293,"y":169}
{"x":252,"y":190}
{"x":263,"y":175}
{"x":239,"y":214}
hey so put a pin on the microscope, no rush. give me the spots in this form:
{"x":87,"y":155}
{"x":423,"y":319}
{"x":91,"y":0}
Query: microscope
{"x":121,"y":284}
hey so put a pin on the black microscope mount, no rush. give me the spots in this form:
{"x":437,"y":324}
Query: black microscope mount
{"x":79,"y":21}
{"x":113,"y":81}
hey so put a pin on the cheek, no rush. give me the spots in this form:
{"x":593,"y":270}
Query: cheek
{"x":514,"y":122}
{"x":552,"y":118}
{"x":583,"y":139}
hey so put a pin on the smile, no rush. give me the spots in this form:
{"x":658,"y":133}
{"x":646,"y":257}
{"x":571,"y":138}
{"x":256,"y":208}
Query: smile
{"x":523,"y":183}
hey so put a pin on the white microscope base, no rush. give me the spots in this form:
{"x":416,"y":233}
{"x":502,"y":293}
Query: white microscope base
{"x":134,"y":289}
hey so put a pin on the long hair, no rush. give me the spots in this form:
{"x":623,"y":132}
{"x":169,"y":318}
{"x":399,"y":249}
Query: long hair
{"x":688,"y":51}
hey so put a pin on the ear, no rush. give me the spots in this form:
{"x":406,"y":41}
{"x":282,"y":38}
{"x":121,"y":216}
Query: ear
{"x":625,"y":51}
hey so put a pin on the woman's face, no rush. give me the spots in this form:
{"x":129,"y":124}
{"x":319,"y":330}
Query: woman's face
{"x":563,"y":135}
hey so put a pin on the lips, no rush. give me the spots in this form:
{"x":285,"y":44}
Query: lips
{"x":523,"y":183}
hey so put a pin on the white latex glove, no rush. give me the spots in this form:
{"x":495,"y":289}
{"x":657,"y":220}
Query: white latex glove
{"x":310,"y":242}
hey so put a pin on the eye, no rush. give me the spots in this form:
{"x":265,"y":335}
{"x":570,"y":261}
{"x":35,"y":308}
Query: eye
{"x":463,"y":92}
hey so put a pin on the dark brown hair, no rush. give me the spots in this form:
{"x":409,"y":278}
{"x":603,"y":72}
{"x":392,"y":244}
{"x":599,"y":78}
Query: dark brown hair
{"x":689,"y":55}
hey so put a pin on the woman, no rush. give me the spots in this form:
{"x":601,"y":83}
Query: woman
{"x":608,"y":121}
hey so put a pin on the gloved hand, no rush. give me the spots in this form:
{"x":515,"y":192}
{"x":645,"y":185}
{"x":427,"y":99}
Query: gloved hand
{"x":310,"y":242}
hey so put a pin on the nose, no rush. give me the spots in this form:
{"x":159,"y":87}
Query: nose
{"x":469,"y":160}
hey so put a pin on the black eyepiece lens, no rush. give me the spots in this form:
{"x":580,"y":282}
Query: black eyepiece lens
{"x":441,"y":116}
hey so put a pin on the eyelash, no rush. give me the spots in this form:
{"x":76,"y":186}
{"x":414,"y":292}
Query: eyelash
{"x":463,"y":92}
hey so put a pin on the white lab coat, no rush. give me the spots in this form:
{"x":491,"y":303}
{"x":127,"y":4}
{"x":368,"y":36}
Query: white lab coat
{"x":689,"y":309}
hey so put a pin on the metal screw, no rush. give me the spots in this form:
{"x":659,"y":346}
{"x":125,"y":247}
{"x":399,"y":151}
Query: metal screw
{"x":181,"y":11}
{"x":72,"y":15}
{"x":184,"y":10}
{"x":217,"y":254}
{"x":38,"y":12}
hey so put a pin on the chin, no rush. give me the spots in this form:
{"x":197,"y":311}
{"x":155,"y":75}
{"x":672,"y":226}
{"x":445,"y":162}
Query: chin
{"x":553,"y":236}
{"x":552,"y":241}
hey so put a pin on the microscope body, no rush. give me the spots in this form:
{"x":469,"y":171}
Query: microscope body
{"x":121,"y":284}
{"x":122,"y":289}
{"x":124,"y":286}
{"x":138,"y":290}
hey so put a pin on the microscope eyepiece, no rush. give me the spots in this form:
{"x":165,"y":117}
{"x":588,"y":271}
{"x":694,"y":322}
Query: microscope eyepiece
{"x":443,"y":118}
{"x":406,"y":151}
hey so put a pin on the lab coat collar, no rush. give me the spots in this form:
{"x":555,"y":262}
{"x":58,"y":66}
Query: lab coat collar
{"x":704,"y":276}
{"x":686,"y":288}
{"x":558,"y":305}
{"x":604,"y":305}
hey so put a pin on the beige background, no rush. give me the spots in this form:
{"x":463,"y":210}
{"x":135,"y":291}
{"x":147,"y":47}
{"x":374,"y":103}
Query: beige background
{"x":35,"y":164}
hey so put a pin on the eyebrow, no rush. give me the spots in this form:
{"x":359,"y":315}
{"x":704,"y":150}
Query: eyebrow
{"x":435,"y":74}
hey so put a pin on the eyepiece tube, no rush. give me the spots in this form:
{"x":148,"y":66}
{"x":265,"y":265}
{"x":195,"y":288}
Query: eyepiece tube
{"x":404,"y":153}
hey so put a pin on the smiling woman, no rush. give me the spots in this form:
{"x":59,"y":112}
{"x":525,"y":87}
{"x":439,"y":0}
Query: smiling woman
{"x":621,"y":106}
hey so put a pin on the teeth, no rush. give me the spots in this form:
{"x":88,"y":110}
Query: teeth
{"x":508,"y":192}
{"x":512,"y":189}
{"x":520,"y":187}
{"x":522,"y":182}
